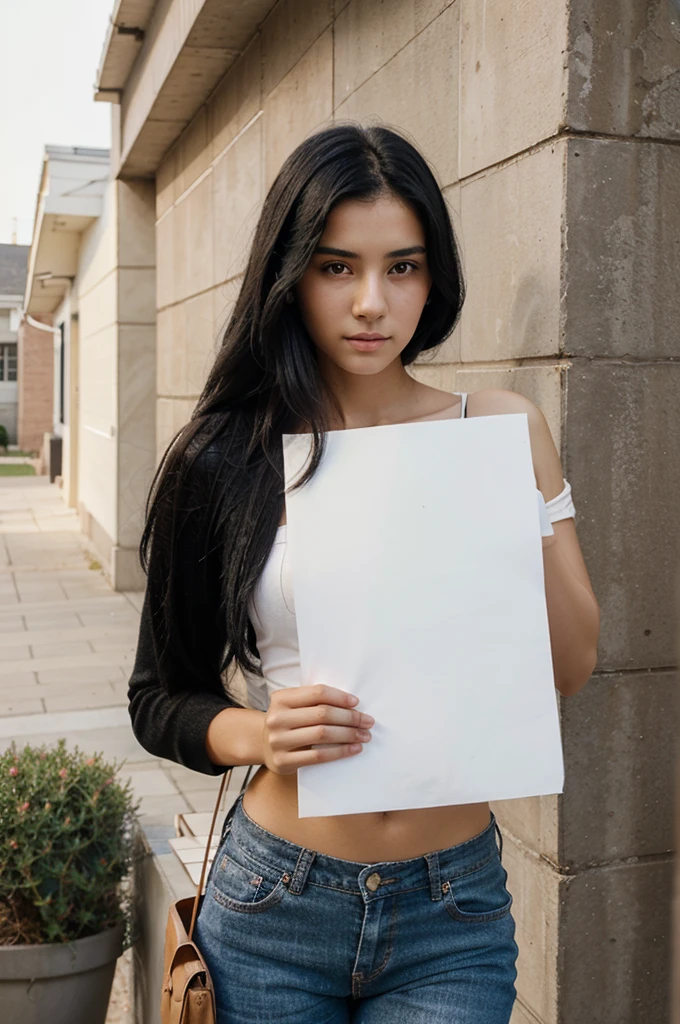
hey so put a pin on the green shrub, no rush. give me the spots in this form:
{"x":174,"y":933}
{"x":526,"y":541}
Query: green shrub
{"x":68,"y":840}
{"x":4,"y":436}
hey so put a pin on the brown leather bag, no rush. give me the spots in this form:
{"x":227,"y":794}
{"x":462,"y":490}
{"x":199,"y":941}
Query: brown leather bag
{"x":188,"y":996}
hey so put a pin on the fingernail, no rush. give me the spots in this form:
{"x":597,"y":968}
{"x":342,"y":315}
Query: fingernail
{"x":367,"y":720}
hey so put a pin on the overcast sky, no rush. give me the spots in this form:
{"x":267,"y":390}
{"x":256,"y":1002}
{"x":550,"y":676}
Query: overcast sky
{"x":50,"y":55}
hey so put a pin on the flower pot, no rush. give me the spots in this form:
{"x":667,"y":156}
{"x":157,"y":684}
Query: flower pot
{"x":59,"y":983}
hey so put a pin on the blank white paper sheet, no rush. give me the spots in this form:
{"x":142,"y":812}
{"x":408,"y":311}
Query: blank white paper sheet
{"x":417,"y":569}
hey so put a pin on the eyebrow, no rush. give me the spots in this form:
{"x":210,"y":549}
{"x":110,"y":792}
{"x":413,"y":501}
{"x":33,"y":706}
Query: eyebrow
{"x":328,"y":250}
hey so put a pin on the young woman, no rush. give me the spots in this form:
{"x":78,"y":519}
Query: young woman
{"x":404,"y":916}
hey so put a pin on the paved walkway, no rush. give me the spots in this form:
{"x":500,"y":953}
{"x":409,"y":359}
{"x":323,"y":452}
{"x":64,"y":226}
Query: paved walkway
{"x":67,"y":645}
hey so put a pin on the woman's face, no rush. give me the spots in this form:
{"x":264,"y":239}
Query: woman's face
{"x":368,"y":274}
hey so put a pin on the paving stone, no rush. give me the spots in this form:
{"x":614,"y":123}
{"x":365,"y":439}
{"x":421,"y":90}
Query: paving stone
{"x":66,"y":648}
{"x":151,"y":783}
{"x":21,"y":706}
{"x":83,"y":674}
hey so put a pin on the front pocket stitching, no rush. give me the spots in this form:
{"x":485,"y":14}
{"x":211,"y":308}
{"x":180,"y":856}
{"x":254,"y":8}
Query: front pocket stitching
{"x":274,"y":897}
{"x":454,"y":911}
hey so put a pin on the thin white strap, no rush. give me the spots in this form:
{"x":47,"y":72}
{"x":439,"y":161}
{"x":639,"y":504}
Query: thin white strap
{"x":463,"y":396}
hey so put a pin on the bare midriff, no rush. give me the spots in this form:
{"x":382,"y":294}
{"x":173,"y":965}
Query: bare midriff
{"x":271,"y":801}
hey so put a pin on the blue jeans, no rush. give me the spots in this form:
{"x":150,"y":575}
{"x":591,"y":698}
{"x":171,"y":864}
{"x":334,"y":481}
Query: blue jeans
{"x":292,"y":936}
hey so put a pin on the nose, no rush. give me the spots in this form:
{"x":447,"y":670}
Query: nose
{"x":369,"y":299}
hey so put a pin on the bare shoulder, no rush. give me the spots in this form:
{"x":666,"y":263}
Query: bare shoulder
{"x":494,"y":401}
{"x":546,"y":459}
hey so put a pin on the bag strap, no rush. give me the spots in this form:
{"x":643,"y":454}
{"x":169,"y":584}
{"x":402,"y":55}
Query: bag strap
{"x":226,"y":779}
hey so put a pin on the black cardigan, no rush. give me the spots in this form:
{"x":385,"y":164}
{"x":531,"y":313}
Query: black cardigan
{"x":171,"y":708}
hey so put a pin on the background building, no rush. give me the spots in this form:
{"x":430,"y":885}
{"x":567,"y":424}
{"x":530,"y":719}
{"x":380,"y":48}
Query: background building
{"x":553,"y":130}
{"x":13,"y":261}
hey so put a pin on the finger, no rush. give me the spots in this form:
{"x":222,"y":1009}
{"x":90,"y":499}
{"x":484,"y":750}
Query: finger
{"x":318,"y":755}
{"x":320,"y":693}
{"x":320,"y":734}
{"x":297,"y":718}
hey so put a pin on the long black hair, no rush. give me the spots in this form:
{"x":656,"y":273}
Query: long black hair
{"x":265,"y":380}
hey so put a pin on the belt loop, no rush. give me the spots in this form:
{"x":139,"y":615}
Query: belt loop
{"x":304,"y":863}
{"x":432,"y":860}
{"x":500,"y":838}
{"x":226,"y":824}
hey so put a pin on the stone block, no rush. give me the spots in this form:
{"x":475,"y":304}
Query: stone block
{"x":236,"y":100}
{"x":237,"y":197}
{"x":171,"y":415}
{"x":542,"y":384}
{"x":290,"y":28}
{"x":429,"y":63}
{"x":511,"y":221}
{"x":622,"y":435}
{"x":300,"y":104}
{"x":167,"y":182}
{"x":136,"y":218}
{"x":137,"y":295}
{"x":619,"y":745}
{"x":513,"y":79}
{"x":193,"y":151}
{"x":195,"y":230}
{"x":533,"y":820}
{"x":186,"y":346}
{"x":165,"y":260}
{"x":615,"y":932}
{"x":98,"y":308}
{"x":535,"y":888}
{"x":449,"y":350}
{"x":623,"y":71}
{"x":621,"y":261}
{"x":368,"y":33}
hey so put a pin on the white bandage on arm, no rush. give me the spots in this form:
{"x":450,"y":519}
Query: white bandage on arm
{"x":559,"y":507}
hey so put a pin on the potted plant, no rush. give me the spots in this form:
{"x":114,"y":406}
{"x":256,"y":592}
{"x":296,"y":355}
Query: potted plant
{"x":68,"y":841}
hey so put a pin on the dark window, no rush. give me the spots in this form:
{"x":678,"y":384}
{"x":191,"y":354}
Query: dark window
{"x":61,"y":373}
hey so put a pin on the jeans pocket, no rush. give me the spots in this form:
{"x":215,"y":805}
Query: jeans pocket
{"x":479,"y":895}
{"x":241,"y":883}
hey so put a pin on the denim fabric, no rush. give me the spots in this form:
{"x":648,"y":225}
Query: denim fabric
{"x":292,"y":936}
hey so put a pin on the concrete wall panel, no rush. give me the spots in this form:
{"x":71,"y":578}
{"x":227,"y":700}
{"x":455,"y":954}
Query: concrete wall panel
{"x":624,"y":68}
{"x":237,"y":198}
{"x":136,"y":427}
{"x":237,"y":99}
{"x":513,"y":78}
{"x":536,"y":889}
{"x":623,"y":249}
{"x":429,"y":63}
{"x":186,"y":346}
{"x":614,"y":940}
{"x":619,"y":739}
{"x":622,"y":436}
{"x":368,"y":33}
{"x":511,"y":221}
{"x":171,"y":415}
{"x":299,"y":105}
{"x":287,"y":33}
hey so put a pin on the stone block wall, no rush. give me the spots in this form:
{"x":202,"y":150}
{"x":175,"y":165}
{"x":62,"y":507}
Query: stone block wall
{"x":553,"y":131}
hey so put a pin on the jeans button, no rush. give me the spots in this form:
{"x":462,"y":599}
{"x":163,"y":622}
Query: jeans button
{"x":373,"y":881}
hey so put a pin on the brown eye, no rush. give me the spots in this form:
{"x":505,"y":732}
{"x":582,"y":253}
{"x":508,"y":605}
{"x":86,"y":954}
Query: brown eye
{"x":329,"y":265}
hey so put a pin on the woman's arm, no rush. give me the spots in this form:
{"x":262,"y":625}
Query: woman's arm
{"x":172,"y":702}
{"x":573,"y":611}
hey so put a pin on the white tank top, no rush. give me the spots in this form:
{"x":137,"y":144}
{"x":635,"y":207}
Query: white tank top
{"x":272,"y":609}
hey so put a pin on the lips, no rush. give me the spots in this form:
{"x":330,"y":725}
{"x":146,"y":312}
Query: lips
{"x":367,"y":337}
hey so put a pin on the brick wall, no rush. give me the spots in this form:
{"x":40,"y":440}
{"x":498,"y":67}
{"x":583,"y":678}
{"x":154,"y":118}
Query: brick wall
{"x":35,"y":384}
